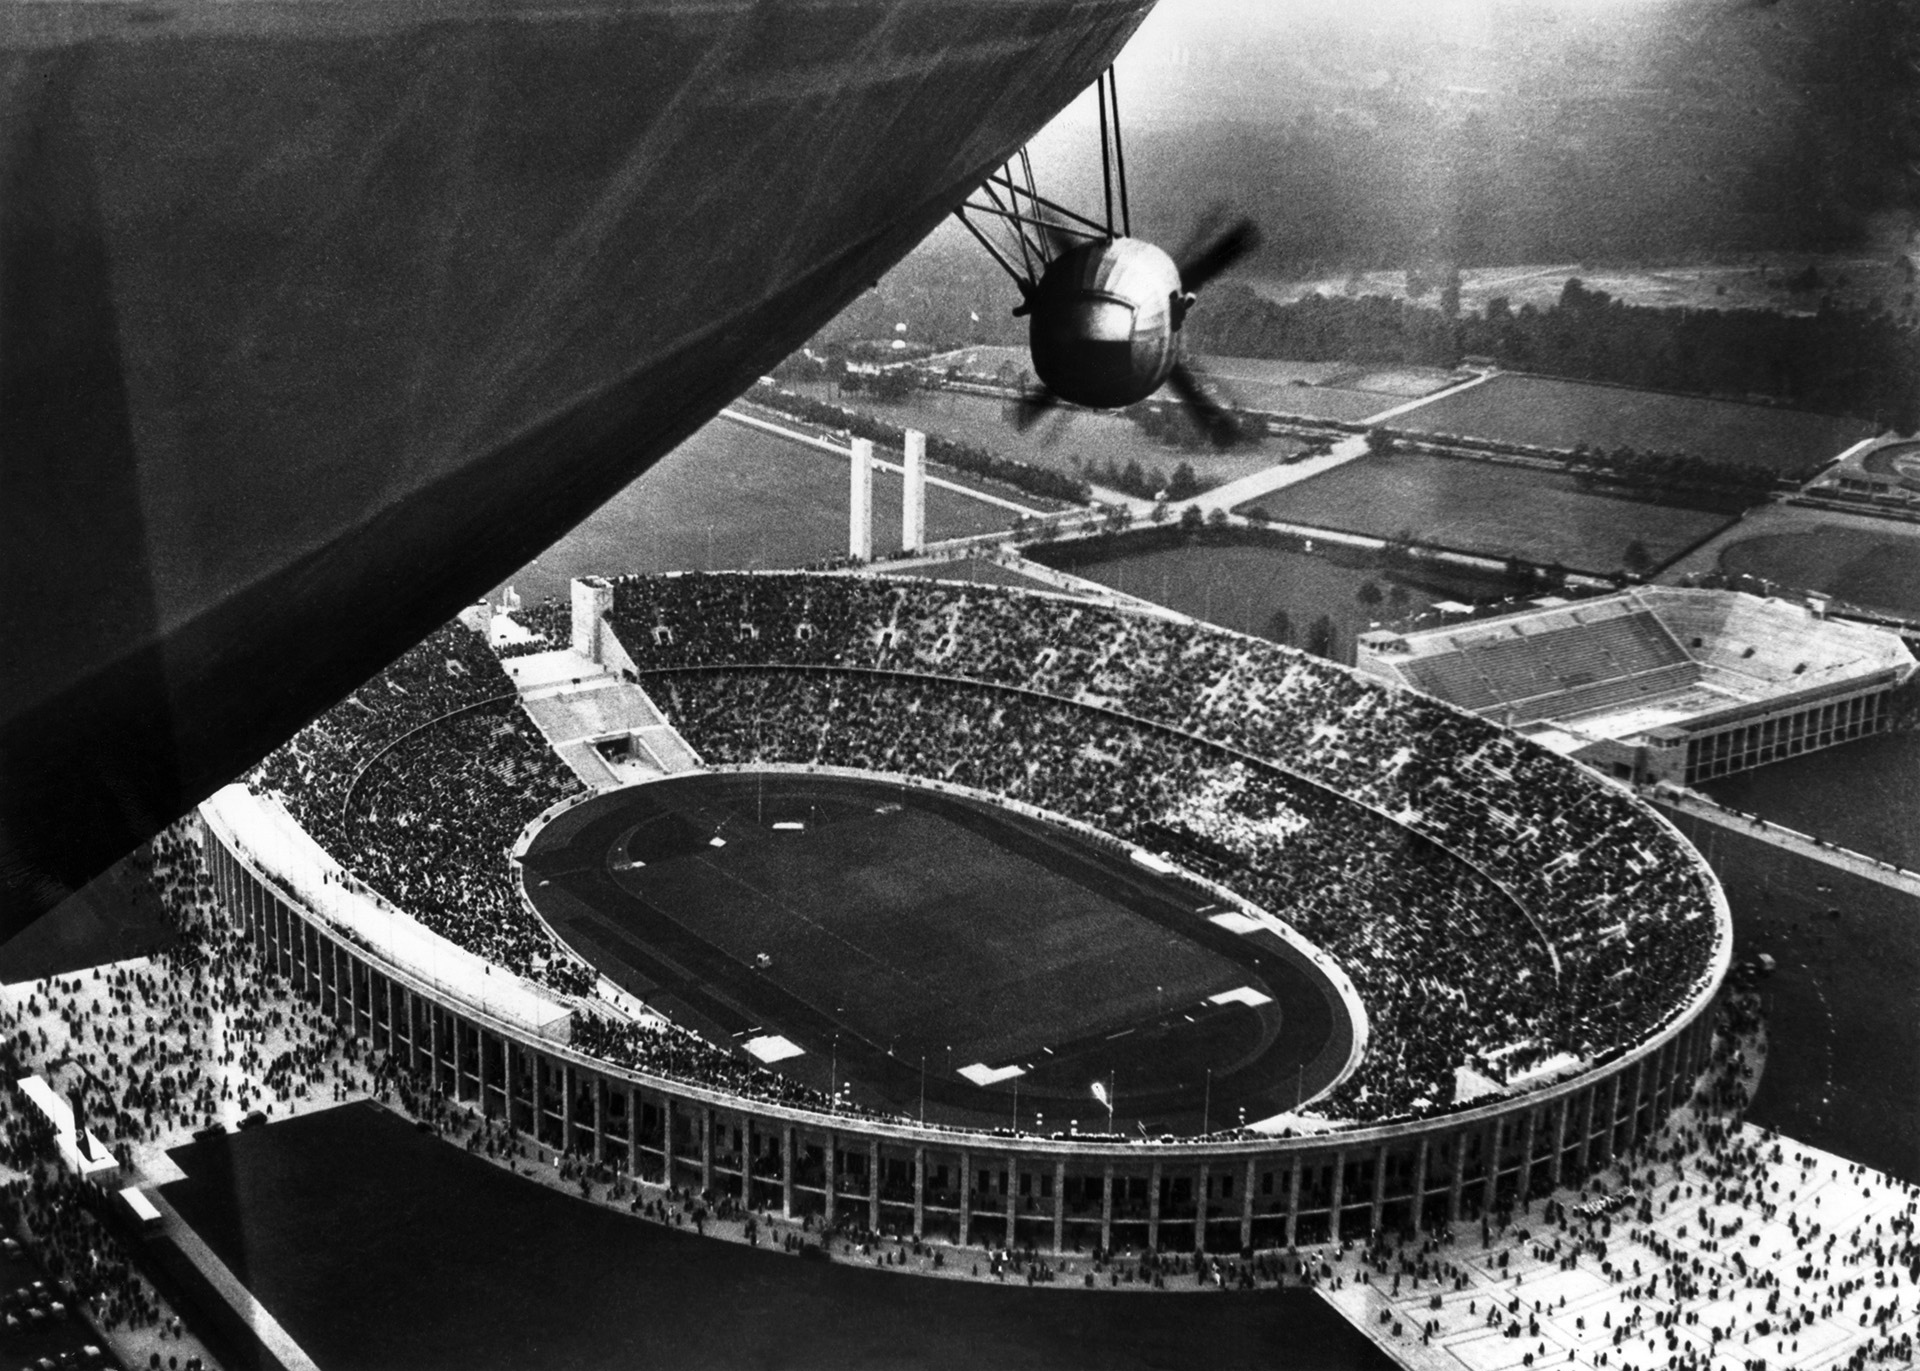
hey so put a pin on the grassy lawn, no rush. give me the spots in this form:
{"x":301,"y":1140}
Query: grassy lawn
{"x":1490,"y":508}
{"x":1240,"y":587}
{"x":733,"y":497}
{"x":1536,"y":409}
{"x":1843,"y":1063}
{"x":1877,"y":568}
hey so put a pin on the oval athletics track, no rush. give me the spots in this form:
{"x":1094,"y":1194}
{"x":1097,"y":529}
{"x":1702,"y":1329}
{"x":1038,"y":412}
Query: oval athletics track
{"x":939,"y":954}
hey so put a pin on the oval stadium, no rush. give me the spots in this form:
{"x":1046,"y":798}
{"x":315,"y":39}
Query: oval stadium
{"x":997,"y":917}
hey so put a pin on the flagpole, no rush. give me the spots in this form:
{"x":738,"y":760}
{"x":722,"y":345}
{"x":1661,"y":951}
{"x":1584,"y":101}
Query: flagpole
{"x":1112,"y":1078}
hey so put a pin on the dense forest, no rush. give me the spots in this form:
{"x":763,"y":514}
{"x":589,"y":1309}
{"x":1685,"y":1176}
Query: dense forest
{"x":1857,"y":362}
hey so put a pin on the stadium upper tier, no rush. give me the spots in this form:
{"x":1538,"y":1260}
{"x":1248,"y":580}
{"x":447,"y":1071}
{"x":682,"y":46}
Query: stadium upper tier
{"x":1658,"y":683}
{"x":1506,"y":917}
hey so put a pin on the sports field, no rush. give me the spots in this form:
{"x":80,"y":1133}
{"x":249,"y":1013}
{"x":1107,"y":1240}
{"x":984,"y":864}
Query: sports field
{"x":1489,"y":508}
{"x":1552,"y":413}
{"x":879,"y":926}
{"x":377,"y":1247}
{"x":1855,"y":558}
{"x":1242,"y":586}
{"x":732,"y":497}
{"x":1843,"y":1007}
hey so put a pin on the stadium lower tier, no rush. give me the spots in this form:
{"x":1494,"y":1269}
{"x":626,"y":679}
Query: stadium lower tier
{"x":1057,"y":1193}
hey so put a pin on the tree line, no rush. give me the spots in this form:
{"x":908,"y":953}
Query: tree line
{"x":978,"y":461}
{"x":1854,"y":361}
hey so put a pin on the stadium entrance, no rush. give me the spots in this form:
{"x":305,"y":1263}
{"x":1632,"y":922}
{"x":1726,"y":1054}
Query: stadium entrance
{"x":930,"y":954}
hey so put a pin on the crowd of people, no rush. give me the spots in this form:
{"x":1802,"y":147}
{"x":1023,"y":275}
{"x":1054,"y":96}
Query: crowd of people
{"x":1495,"y":906}
{"x":1714,"y":1244}
{"x":419,"y":782}
{"x":1462,"y":875}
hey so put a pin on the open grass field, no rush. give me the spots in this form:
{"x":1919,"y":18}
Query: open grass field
{"x":378,"y":1247}
{"x":1553,"y":413}
{"x":1864,"y":795}
{"x":1843,"y":1060}
{"x":904,"y":927}
{"x":733,"y":497}
{"x":1854,"y":558}
{"x":1240,"y":587}
{"x":1486,"y":507}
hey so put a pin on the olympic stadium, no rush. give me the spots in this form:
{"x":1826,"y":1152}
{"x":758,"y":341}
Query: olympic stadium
{"x":992,"y":916}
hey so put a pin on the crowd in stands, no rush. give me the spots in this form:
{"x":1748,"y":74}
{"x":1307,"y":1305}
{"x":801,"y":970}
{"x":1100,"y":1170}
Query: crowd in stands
{"x":419,"y":782}
{"x":1497,"y":906}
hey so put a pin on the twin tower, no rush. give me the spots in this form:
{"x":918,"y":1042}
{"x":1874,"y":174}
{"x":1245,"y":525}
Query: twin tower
{"x":913,"y":497}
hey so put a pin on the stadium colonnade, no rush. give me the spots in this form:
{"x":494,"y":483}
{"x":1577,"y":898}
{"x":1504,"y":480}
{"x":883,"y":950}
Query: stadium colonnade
{"x":991,"y":1189}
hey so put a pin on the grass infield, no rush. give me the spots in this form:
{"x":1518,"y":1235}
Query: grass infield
{"x":1553,"y":413}
{"x":904,"y":927}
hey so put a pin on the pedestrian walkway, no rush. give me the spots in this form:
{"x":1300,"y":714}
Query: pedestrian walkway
{"x":1280,"y":476}
{"x":1802,"y":844}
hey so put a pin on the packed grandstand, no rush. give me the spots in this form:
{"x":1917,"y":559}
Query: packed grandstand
{"x":1505,"y":915}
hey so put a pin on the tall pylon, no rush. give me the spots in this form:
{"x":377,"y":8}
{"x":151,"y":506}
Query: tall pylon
{"x":860,"y":502}
{"x":913,"y":493}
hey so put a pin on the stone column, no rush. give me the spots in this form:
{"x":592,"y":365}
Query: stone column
{"x":480,"y":1068}
{"x":860,"y":502}
{"x":966,"y":1195}
{"x":633,"y":1131}
{"x":1559,"y":1142}
{"x":873,"y":1185}
{"x":1246,"y":1206}
{"x":1013,"y":1199}
{"x":1293,"y":1199}
{"x":1493,"y":1166}
{"x":786,"y":1172}
{"x":1639,"y":1098}
{"x":1529,"y":1138}
{"x":434,"y":1044}
{"x":1586,"y":1131}
{"x":706,"y":1148}
{"x":1153,"y":1206}
{"x":1059,"y":1207}
{"x":1459,"y":1182}
{"x":1106,"y":1207}
{"x":919,"y":1193}
{"x":599,"y":1118}
{"x":1420,"y":1185}
{"x":1379,"y":1189}
{"x":833,"y":1147}
{"x":1202,"y":1183}
{"x":566,"y":1107}
{"x":1339,"y":1194}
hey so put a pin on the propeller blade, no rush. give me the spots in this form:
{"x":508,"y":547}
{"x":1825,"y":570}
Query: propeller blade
{"x":1218,"y":423}
{"x":1033,"y":405}
{"x":1202,"y":262}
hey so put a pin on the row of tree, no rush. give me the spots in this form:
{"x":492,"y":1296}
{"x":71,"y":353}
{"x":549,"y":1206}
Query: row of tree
{"x":1856,"y":361}
{"x":1042,"y":481}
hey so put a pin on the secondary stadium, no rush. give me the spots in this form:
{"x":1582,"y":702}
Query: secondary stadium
{"x":987,"y":915}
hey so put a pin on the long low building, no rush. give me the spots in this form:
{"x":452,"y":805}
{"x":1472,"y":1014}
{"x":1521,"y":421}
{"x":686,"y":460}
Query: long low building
{"x":1659,"y":683}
